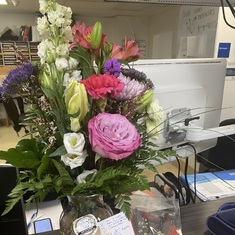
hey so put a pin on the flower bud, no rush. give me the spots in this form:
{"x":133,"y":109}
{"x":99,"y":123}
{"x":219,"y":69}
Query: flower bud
{"x":75,"y":124}
{"x":76,"y":100}
{"x":96,"y":35}
{"x":144,"y":101}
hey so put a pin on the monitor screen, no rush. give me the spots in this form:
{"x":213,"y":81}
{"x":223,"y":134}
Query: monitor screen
{"x":186,"y":89}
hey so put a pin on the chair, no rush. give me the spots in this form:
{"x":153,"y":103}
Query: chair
{"x":13,"y":113}
{"x":222,"y":155}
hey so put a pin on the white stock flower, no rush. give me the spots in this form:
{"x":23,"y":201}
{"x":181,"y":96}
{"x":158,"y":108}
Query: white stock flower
{"x":77,"y":75}
{"x":62,"y":50}
{"x":74,"y":143}
{"x":43,"y":4}
{"x":45,"y":48}
{"x":55,"y":18}
{"x":73,"y":160}
{"x":42,"y":25}
{"x":81,"y":178}
{"x":61,"y":63}
{"x":67,"y":34}
{"x":66,"y":79}
{"x":73,"y":63}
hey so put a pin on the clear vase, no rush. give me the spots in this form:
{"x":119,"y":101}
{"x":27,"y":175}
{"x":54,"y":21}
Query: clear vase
{"x":82,"y":214}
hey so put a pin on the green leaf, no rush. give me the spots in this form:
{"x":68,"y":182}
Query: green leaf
{"x":59,"y":151}
{"x":43,"y":166}
{"x":64,"y":175}
{"x":26,"y":159}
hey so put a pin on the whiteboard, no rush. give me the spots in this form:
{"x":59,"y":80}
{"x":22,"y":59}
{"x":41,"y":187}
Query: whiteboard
{"x":197,"y":31}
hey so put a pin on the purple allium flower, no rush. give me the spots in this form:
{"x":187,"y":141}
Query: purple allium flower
{"x":113,"y":67}
{"x":131,"y":89}
{"x":15,"y":78}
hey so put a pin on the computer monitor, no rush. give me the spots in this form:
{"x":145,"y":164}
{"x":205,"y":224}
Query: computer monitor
{"x":186,"y":88}
{"x":13,"y":222}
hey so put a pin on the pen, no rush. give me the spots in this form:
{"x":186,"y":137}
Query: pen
{"x":34,"y":215}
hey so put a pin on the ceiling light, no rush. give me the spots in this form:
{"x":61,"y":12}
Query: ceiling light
{"x":3,"y":2}
{"x":178,"y":2}
{"x":15,"y":2}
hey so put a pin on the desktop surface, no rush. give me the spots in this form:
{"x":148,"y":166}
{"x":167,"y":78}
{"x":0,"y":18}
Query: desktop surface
{"x":193,"y":216}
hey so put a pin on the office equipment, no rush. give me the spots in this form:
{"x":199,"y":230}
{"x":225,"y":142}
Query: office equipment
{"x":13,"y":113}
{"x":14,"y":222}
{"x":221,"y":156}
{"x":190,"y":92}
{"x":212,"y":185}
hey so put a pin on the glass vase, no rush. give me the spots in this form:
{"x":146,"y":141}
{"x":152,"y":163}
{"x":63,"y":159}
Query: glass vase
{"x":82,"y":215}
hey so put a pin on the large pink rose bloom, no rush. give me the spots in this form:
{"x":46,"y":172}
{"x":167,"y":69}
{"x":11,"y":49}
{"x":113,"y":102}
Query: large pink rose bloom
{"x":113,"y":136}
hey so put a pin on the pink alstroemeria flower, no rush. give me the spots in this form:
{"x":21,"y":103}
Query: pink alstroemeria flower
{"x":130,"y":52}
{"x":82,"y":36}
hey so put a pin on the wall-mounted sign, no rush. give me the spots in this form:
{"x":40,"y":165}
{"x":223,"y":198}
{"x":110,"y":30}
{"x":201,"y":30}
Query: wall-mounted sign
{"x":224,"y":50}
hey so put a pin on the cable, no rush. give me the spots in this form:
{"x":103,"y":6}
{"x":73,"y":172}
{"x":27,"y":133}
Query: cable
{"x":224,"y":17}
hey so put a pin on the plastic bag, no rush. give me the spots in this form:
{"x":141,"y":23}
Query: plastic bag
{"x":152,"y":213}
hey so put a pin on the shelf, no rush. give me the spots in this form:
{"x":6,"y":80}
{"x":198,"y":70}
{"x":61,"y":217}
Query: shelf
{"x":8,"y":56}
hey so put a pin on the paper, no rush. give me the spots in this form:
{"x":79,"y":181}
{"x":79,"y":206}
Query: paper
{"x":211,"y":186}
{"x":116,"y":225}
{"x":49,"y":209}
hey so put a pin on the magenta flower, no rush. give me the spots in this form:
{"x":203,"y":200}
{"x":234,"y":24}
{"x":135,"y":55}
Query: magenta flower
{"x":113,"y":136}
{"x":98,"y":86}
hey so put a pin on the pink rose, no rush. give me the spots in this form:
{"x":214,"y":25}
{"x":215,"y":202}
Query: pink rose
{"x":113,"y":136}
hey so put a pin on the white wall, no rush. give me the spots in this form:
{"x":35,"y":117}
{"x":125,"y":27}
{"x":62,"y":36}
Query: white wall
{"x":163,"y":34}
{"x":226,"y":34}
{"x":14,"y":21}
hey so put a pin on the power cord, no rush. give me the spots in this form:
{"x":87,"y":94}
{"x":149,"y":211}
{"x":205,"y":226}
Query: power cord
{"x":232,"y":10}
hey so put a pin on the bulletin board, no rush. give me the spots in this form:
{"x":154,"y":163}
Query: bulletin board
{"x":197,"y":31}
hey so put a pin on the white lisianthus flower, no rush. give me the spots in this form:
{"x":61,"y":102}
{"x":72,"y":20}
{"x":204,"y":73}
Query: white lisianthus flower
{"x":74,"y":143}
{"x":153,"y":129}
{"x":61,"y":63}
{"x":155,"y":111}
{"x":42,"y":25}
{"x":81,"y":178}
{"x":73,"y":160}
{"x":155,"y":119}
{"x":73,"y":63}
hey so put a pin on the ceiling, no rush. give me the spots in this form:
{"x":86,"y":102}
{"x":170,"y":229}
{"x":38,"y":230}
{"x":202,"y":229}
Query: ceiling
{"x":95,"y":8}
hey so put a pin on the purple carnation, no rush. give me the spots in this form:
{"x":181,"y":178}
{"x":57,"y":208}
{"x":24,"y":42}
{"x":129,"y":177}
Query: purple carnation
{"x":113,"y":67}
{"x":15,"y":78}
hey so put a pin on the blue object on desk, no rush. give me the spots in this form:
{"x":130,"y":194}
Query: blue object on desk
{"x":223,"y":222}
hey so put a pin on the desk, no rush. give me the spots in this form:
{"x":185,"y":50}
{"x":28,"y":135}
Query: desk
{"x":193,"y":216}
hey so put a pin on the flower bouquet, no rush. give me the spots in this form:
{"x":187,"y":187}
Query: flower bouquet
{"x":94,"y":116}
